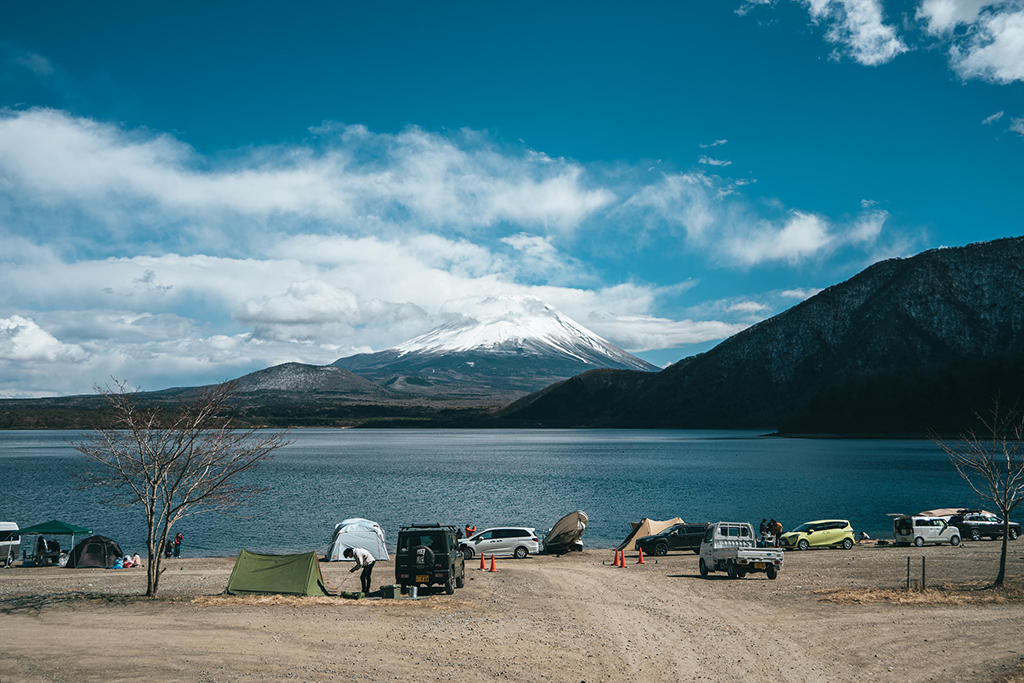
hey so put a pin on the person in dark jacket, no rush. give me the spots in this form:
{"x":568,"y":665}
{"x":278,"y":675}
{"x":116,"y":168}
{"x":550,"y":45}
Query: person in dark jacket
{"x":178,"y":538}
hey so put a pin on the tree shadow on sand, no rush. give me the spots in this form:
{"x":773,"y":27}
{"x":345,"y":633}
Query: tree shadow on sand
{"x":34,"y":604}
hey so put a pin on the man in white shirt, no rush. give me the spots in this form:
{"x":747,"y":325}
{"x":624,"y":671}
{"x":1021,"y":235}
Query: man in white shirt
{"x":364,"y":560}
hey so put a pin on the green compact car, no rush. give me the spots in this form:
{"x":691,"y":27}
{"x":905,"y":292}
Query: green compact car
{"x":828,"y":533}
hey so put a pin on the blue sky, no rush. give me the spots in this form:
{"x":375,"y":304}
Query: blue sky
{"x":186,"y":197}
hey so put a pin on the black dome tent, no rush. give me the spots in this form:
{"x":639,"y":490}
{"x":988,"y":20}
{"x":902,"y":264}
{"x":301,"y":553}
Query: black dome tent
{"x":95,"y":551}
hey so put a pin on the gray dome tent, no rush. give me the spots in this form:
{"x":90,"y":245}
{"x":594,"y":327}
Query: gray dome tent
{"x":95,"y":551}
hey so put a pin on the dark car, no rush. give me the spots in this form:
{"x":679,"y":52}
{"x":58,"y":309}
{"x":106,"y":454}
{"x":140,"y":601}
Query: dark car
{"x":685,"y":536}
{"x":429,"y":555}
{"x":978,"y":524}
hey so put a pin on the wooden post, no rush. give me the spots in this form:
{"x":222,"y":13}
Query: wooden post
{"x":922,"y":573}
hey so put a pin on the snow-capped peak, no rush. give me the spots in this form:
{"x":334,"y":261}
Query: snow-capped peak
{"x":516,"y":323}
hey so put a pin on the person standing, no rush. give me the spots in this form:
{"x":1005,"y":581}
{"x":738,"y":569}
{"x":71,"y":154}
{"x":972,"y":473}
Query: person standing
{"x":178,"y":538}
{"x":364,"y":560}
{"x":762,"y":530}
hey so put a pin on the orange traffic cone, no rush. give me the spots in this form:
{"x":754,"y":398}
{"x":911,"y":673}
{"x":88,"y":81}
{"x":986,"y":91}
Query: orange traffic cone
{"x":615,"y":563}
{"x":622,"y":559}
{"x":482,"y":565}
{"x":493,"y":568}
{"x":641,"y":560}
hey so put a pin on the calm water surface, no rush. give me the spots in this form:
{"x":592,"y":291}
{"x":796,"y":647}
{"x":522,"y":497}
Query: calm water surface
{"x":518,"y":477}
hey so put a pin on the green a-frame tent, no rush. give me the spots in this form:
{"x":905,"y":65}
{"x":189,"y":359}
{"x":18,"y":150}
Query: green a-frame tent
{"x":256,"y":574}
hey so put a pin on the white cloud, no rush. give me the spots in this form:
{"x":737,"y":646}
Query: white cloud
{"x":801,"y":236}
{"x":716,"y":143}
{"x":538,"y":258}
{"x":799,"y":293}
{"x":638,"y":333}
{"x":943,"y":16}
{"x":993,"y":47}
{"x":748,"y":307}
{"x":37,"y":64}
{"x":867,"y":227}
{"x":992,"y":119}
{"x":859,"y":27}
{"x":351,"y":176}
{"x":1017,"y":126}
{"x":705,"y":159}
{"x":22,"y":340}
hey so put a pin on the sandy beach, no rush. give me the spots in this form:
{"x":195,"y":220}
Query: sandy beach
{"x":573,"y":618}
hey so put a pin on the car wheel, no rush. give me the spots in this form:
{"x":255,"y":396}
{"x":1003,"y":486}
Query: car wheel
{"x":449,"y":587}
{"x":1012,"y":535}
{"x":847,"y":544}
{"x":461,"y":581}
{"x":521,"y":552}
{"x":732,"y":571}
{"x":772,"y":572}
{"x":703,"y":568}
{"x":803,"y":544}
{"x":467,"y":553}
{"x":919,"y":541}
{"x":954,"y":540}
{"x":661,"y":549}
{"x":975,"y":534}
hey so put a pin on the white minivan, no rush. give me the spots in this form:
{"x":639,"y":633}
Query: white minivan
{"x":10,"y":542}
{"x":518,"y":541}
{"x":919,"y":530}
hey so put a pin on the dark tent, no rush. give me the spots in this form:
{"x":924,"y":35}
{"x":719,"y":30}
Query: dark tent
{"x":95,"y":551}
{"x":256,"y":574}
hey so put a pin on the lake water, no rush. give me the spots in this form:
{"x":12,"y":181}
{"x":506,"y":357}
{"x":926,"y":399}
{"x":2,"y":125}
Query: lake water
{"x":522,"y":477}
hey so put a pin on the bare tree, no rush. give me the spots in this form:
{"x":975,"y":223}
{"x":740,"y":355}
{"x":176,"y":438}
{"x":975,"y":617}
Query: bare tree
{"x":174,"y":463}
{"x":992,"y":463}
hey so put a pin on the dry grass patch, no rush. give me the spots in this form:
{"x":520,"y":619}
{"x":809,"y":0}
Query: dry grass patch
{"x":948,"y":594}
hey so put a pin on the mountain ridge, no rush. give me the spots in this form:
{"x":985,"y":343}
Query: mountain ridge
{"x":925,"y":313}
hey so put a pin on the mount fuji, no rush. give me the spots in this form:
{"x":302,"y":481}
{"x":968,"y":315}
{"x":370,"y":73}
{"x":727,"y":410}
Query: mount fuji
{"x":505,"y":347}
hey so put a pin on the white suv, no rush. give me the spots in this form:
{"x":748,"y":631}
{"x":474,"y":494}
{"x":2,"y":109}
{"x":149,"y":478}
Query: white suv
{"x":920,"y":530}
{"x":517,"y":541}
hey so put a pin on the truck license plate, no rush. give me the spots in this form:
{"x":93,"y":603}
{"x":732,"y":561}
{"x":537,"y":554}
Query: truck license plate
{"x":422,"y":578}
{"x":759,"y":565}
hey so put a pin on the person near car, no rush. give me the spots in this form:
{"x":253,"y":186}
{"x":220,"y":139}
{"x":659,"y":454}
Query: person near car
{"x":864,"y":536}
{"x":364,"y":560}
{"x":178,"y":538}
{"x":777,"y":532}
{"x":470,"y":530}
{"x":763,"y":529}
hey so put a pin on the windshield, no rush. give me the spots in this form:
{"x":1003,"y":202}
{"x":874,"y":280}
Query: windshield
{"x":804,"y":527}
{"x":671,"y":529}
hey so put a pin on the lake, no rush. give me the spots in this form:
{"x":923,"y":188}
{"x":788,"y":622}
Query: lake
{"x":521,"y":477}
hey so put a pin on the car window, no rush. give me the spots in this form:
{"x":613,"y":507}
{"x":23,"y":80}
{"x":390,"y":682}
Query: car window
{"x":744,"y":531}
{"x":407,"y":541}
{"x":487,"y":535}
{"x":734,"y":532}
{"x":708,"y":536}
{"x":920,"y":522}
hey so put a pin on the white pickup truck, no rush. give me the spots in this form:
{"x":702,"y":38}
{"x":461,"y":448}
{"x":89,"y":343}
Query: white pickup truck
{"x":732,"y":548}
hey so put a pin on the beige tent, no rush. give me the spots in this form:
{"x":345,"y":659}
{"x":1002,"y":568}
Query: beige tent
{"x":647,"y":527}
{"x":946,"y":513}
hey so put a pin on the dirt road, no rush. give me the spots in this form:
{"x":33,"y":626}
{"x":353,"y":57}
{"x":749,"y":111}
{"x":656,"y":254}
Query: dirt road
{"x":574,"y":618}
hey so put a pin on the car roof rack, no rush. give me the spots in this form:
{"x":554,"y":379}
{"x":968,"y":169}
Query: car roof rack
{"x":435,"y":525}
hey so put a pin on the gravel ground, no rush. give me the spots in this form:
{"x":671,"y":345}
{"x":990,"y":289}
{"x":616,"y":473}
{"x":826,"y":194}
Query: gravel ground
{"x":574,"y":618}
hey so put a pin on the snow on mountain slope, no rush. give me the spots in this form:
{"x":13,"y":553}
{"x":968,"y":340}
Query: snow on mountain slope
{"x":521,"y":324}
